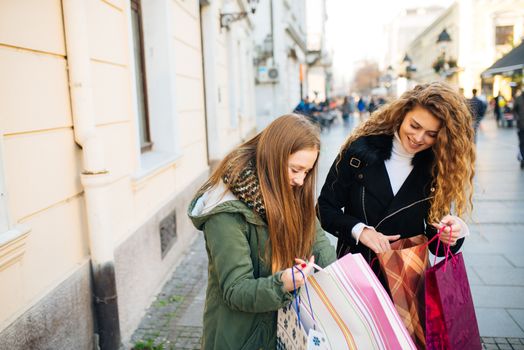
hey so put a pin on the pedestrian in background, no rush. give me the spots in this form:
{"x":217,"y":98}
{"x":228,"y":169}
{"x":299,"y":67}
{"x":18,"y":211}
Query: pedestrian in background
{"x":303,"y":107}
{"x":499,"y":102}
{"x":372,"y":106}
{"x":361,"y":106}
{"x":257,"y":211}
{"x":345,"y":108}
{"x":478,"y":109}
{"x":518,"y":111}
{"x":401,"y":173}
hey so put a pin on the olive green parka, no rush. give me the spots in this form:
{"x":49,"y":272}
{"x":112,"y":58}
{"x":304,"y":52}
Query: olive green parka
{"x":243,"y":296}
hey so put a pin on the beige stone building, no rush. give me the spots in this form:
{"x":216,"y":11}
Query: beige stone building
{"x":319,"y":59}
{"x":104,"y":107}
{"x":280,"y":57}
{"x":481,"y":31}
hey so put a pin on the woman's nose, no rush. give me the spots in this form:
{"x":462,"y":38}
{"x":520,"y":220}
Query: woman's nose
{"x":299,"y":180}
{"x":419,"y":137}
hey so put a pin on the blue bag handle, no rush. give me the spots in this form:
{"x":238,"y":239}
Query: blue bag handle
{"x":297,"y":297}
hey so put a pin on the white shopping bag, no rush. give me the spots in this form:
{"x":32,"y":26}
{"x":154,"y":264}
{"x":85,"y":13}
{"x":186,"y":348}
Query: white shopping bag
{"x":293,"y":334}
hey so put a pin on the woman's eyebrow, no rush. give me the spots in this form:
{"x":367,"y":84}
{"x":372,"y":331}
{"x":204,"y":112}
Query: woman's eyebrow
{"x":418,"y":124}
{"x":298,"y":166}
{"x":415,"y":121}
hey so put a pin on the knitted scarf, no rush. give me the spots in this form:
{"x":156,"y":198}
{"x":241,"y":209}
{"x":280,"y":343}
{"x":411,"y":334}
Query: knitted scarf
{"x":247,"y":188}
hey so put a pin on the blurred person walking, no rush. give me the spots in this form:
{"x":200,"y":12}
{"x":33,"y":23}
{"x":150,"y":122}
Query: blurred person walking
{"x":518,"y":111}
{"x":499,"y":102}
{"x":361,"y":106}
{"x":257,"y":211}
{"x":372,"y":106}
{"x":478,"y":109}
{"x":303,"y":107}
{"x":347,"y":108}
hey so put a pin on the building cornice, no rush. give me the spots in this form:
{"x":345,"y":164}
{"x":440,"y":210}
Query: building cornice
{"x":296,"y":37}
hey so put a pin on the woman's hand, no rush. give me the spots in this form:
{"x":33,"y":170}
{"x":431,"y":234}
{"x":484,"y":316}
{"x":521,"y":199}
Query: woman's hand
{"x":376,"y":241}
{"x":453,"y":226}
{"x":287,"y":277}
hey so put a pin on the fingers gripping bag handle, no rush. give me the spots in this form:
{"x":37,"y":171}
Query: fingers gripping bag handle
{"x":447,"y":249}
{"x":297,"y":297}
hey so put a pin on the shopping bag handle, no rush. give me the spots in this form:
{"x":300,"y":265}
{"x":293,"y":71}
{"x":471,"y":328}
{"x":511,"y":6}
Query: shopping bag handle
{"x":297,"y":297}
{"x":447,"y":248}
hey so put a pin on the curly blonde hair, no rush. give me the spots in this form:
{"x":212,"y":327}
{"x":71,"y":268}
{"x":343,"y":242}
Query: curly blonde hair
{"x":454,"y":165}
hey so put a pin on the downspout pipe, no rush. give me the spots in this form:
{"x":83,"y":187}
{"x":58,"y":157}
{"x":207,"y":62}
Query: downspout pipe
{"x":94,"y":176}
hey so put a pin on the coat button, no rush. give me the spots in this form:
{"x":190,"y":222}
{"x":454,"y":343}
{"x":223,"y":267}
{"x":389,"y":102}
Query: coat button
{"x":432,"y":189}
{"x":360,"y":176}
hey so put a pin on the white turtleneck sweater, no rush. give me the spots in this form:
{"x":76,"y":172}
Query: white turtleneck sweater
{"x":398,"y":167}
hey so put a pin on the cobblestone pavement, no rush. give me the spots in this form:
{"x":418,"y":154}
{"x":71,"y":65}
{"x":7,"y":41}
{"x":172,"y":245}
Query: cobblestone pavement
{"x":174,"y":319}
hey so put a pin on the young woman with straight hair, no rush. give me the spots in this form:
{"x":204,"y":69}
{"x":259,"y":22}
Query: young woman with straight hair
{"x":257,"y":211}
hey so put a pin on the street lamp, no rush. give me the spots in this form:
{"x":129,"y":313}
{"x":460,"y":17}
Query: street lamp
{"x":410,"y":68}
{"x":388,"y":79}
{"x":227,"y":17}
{"x":442,"y":65}
{"x":443,"y":37}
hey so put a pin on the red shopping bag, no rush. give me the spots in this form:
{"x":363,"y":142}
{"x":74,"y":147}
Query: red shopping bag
{"x":450,"y":316}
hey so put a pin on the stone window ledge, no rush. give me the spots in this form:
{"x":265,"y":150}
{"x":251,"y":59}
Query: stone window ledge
{"x":12,"y":245}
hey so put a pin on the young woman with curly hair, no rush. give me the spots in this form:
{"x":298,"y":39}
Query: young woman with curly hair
{"x":257,"y":211}
{"x":402,"y":173}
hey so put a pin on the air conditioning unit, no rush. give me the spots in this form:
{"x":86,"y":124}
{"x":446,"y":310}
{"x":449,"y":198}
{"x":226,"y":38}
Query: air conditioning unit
{"x":267,"y":74}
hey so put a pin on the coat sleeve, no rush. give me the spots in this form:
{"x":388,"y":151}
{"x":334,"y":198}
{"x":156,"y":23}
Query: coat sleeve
{"x":323,"y":250}
{"x":333,"y":196}
{"x":230,"y":257}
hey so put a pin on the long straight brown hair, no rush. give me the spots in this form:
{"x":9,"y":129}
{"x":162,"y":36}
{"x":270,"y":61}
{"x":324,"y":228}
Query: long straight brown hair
{"x":290,"y":211}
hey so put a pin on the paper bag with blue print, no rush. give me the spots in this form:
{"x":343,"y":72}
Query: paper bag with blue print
{"x":296,"y":332}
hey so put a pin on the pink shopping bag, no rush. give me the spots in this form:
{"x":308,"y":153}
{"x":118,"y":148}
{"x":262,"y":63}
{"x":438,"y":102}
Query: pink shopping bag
{"x":352,"y":309}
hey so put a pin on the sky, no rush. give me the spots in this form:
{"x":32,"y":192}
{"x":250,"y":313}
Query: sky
{"x":354,"y":30}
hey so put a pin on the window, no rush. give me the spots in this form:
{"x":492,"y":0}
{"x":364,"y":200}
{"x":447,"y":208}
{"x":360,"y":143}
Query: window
{"x":152,"y":66}
{"x":503,"y":35}
{"x":12,"y":237}
{"x":140,"y":76}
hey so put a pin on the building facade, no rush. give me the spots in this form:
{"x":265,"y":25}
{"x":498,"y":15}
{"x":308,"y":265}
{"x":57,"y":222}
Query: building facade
{"x":280,"y":38}
{"x":228,"y":49}
{"x":319,"y":59}
{"x":480,"y":32}
{"x":403,"y":28}
{"x":109,"y":119}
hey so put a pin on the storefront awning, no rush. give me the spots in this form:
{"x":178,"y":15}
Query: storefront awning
{"x":513,"y":60}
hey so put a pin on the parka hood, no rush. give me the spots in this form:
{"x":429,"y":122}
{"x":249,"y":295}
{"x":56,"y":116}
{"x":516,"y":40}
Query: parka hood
{"x":219,"y":199}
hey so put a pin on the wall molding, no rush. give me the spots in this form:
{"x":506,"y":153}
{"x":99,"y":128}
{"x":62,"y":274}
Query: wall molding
{"x":12,"y":245}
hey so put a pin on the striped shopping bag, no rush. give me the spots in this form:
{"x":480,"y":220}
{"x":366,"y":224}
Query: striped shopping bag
{"x":404,"y":267}
{"x":352,"y":309}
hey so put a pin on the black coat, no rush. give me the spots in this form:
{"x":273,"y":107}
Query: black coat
{"x":358,"y":190}
{"x":518,"y":111}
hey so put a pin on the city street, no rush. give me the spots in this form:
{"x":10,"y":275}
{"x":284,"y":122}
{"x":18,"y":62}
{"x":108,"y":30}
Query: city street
{"x":492,"y":253}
